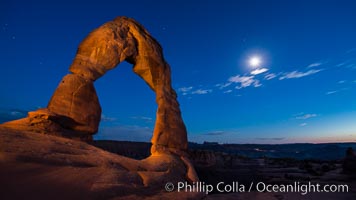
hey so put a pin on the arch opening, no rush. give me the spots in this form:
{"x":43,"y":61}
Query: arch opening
{"x":128,"y":111}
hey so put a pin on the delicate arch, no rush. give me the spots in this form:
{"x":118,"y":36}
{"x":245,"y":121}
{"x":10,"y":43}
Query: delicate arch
{"x":122,"y":39}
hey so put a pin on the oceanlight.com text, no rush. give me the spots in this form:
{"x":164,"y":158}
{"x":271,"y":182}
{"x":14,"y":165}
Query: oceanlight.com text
{"x":223,"y":187}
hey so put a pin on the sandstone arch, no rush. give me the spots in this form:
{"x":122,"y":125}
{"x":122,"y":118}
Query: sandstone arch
{"x":74,"y":109}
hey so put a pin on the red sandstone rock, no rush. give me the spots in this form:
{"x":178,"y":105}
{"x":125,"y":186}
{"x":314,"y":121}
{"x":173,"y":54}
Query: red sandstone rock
{"x":75,"y":99}
{"x":41,"y":166}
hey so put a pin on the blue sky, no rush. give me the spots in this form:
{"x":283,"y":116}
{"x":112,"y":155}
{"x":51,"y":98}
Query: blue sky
{"x":304,"y":90}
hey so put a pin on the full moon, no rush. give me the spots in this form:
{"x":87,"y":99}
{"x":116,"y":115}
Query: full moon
{"x":255,"y":61}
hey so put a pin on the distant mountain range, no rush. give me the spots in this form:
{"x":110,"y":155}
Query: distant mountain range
{"x":323,"y":151}
{"x":301,"y":151}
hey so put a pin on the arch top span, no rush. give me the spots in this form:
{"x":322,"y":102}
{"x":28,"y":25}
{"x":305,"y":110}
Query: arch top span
{"x":122,"y":39}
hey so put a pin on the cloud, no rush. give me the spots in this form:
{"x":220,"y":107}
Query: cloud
{"x":107,"y":119}
{"x":342,"y":81}
{"x":16,"y":113}
{"x":125,"y":133}
{"x":314,"y":64}
{"x":306,"y":116}
{"x":275,"y":138}
{"x":351,"y":66}
{"x":143,"y":118}
{"x":348,"y":64}
{"x":223,"y":85}
{"x":185,"y":89}
{"x":297,"y":74}
{"x":227,"y":91}
{"x":11,"y":114}
{"x":244,"y":81}
{"x":259,"y":71}
{"x":270,"y":76}
{"x":200,"y":91}
{"x":215,"y":133}
{"x":303,"y":124}
{"x":257,"y":83}
{"x":331,"y":92}
{"x":341,"y":64}
{"x":189,"y":90}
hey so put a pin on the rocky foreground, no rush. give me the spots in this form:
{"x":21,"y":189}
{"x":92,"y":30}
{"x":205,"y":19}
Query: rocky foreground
{"x":39,"y":166}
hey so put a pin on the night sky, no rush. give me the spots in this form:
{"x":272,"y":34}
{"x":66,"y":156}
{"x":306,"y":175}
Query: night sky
{"x":303,"y":89}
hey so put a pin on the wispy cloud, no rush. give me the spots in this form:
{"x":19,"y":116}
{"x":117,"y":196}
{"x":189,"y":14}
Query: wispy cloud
{"x":341,"y":64}
{"x":185,"y":89}
{"x":105,"y":118}
{"x":11,"y":114}
{"x":331,"y":92}
{"x":341,"y":82}
{"x":227,"y":91}
{"x":201,"y":91}
{"x":17,"y":113}
{"x":244,"y":81}
{"x":189,"y":90}
{"x":303,"y":124}
{"x":316,"y":64}
{"x":351,"y":66}
{"x":306,"y":116}
{"x":259,"y":71}
{"x":348,"y":64}
{"x":215,"y":133}
{"x":270,"y":76}
{"x":143,"y":118}
{"x":273,"y":138}
{"x":223,"y":85}
{"x":297,"y":74}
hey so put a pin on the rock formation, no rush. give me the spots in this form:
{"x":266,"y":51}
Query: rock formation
{"x":74,"y":112}
{"x":74,"y":108}
{"x":349,"y":164}
{"x":42,"y":166}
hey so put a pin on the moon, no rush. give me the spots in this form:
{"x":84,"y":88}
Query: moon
{"x":255,"y":61}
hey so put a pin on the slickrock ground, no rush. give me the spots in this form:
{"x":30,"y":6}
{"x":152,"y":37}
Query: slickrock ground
{"x":41,"y":166}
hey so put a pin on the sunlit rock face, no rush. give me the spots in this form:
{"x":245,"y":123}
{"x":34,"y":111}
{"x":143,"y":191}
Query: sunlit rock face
{"x":76,"y":99}
{"x":75,"y":104}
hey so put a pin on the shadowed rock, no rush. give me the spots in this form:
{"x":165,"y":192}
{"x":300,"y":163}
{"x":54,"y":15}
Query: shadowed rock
{"x":349,"y":164}
{"x":39,"y":166}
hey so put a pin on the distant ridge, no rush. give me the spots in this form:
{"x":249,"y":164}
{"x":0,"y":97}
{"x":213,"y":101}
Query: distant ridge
{"x":321,"y":151}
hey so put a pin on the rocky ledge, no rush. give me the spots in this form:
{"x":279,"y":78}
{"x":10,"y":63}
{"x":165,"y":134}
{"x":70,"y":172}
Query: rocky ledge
{"x":42,"y":166}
